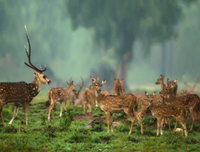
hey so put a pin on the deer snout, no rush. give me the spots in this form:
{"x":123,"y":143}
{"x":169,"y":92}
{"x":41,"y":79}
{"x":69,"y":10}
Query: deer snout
{"x":99,"y":90}
{"x":49,"y":82}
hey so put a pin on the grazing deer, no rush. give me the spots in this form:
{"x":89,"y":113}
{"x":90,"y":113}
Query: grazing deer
{"x":22,"y":92}
{"x":118,"y":87}
{"x":190,"y":101}
{"x":191,"y":88}
{"x":114,"y":104}
{"x":165,"y":111}
{"x":61,"y":95}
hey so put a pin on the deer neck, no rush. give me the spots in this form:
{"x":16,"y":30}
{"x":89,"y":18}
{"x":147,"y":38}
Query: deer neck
{"x":162,"y":85}
{"x":37,"y":84}
{"x":99,"y":97}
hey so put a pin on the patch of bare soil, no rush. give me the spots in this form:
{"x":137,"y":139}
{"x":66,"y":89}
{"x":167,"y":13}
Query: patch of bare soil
{"x":84,"y":117}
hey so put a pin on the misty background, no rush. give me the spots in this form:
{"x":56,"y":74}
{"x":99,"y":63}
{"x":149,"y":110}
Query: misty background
{"x":136,"y":40}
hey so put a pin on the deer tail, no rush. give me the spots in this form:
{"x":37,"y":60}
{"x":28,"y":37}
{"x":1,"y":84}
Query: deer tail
{"x":135,"y":108}
{"x":49,"y":96}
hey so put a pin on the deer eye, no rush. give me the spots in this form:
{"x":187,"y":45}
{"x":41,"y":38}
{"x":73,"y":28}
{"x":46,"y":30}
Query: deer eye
{"x":44,"y":76}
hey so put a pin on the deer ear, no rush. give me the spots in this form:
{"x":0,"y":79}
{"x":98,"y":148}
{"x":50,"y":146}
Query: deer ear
{"x":176,"y":80}
{"x":145,"y":93}
{"x":103,"y":82}
{"x":86,"y":88}
{"x":167,"y":79}
{"x":68,"y":83}
{"x":36,"y":74}
{"x":154,"y":93}
{"x":122,"y":79}
{"x":114,"y":78}
{"x":98,"y":78}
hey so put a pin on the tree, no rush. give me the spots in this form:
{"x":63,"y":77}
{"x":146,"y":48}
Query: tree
{"x":120,"y":23}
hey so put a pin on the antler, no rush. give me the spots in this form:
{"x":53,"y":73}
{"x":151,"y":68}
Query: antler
{"x":196,"y":81}
{"x":29,"y":56}
{"x":81,"y":86}
{"x":70,"y":79}
{"x":185,"y":82}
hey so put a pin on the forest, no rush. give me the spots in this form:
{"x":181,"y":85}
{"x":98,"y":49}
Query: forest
{"x":72,"y":47}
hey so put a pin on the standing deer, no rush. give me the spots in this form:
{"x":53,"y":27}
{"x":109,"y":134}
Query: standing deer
{"x":22,"y":92}
{"x":114,"y":104}
{"x":165,"y":111}
{"x":191,"y":88}
{"x":190,"y":101}
{"x":118,"y":87}
{"x":88,"y":99}
{"x":61,"y":95}
{"x":160,"y":81}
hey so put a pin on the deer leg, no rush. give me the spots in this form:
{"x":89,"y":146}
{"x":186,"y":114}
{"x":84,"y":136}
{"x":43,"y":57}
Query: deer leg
{"x":199,"y":118}
{"x":139,"y":118}
{"x":158,"y":125}
{"x":175,"y":125}
{"x":130,"y":116}
{"x":168,"y":121}
{"x":161,"y":132}
{"x":108,"y":121}
{"x":111,"y":121}
{"x":1,"y":107}
{"x":16,"y":106}
{"x":183,"y":125}
{"x":61,"y":108}
{"x":51,"y":109}
{"x":25,"y":108}
{"x":193,"y":117}
{"x":65,"y":104}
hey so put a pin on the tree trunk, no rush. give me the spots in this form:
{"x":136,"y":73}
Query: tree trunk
{"x":123,"y":68}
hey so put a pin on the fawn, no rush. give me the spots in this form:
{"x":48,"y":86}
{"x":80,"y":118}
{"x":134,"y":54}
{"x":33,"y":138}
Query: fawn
{"x":190,"y":101}
{"x":61,"y":95}
{"x":165,"y":111}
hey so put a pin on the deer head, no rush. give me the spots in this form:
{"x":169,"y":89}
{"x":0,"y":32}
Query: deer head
{"x":39,"y":75}
{"x":71,"y":86}
{"x":160,"y":79}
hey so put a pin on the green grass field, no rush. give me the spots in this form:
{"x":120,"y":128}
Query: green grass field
{"x":64,"y":134}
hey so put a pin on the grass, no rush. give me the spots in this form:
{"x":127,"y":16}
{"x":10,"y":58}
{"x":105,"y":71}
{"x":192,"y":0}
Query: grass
{"x":65,"y":134}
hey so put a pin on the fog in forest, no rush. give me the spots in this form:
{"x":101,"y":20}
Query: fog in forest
{"x":137,"y":40}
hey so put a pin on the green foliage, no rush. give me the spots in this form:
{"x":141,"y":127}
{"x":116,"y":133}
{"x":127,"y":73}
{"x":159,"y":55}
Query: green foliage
{"x":66,"y":134}
{"x":66,"y":119}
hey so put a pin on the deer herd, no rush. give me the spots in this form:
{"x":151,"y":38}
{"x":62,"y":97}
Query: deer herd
{"x":169,"y":103}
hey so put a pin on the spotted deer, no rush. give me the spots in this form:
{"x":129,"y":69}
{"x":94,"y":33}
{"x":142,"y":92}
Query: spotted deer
{"x":88,"y":100}
{"x":173,"y":84}
{"x":190,"y":101}
{"x":191,"y":88}
{"x":160,"y":81}
{"x":165,"y":111}
{"x":22,"y":92}
{"x":144,"y":103}
{"x":60,"y":95}
{"x":118,"y":87}
{"x":114,"y":104}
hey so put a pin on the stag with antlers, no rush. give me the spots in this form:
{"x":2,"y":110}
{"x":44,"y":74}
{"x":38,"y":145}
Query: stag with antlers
{"x":61,"y":95}
{"x":22,"y":92}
